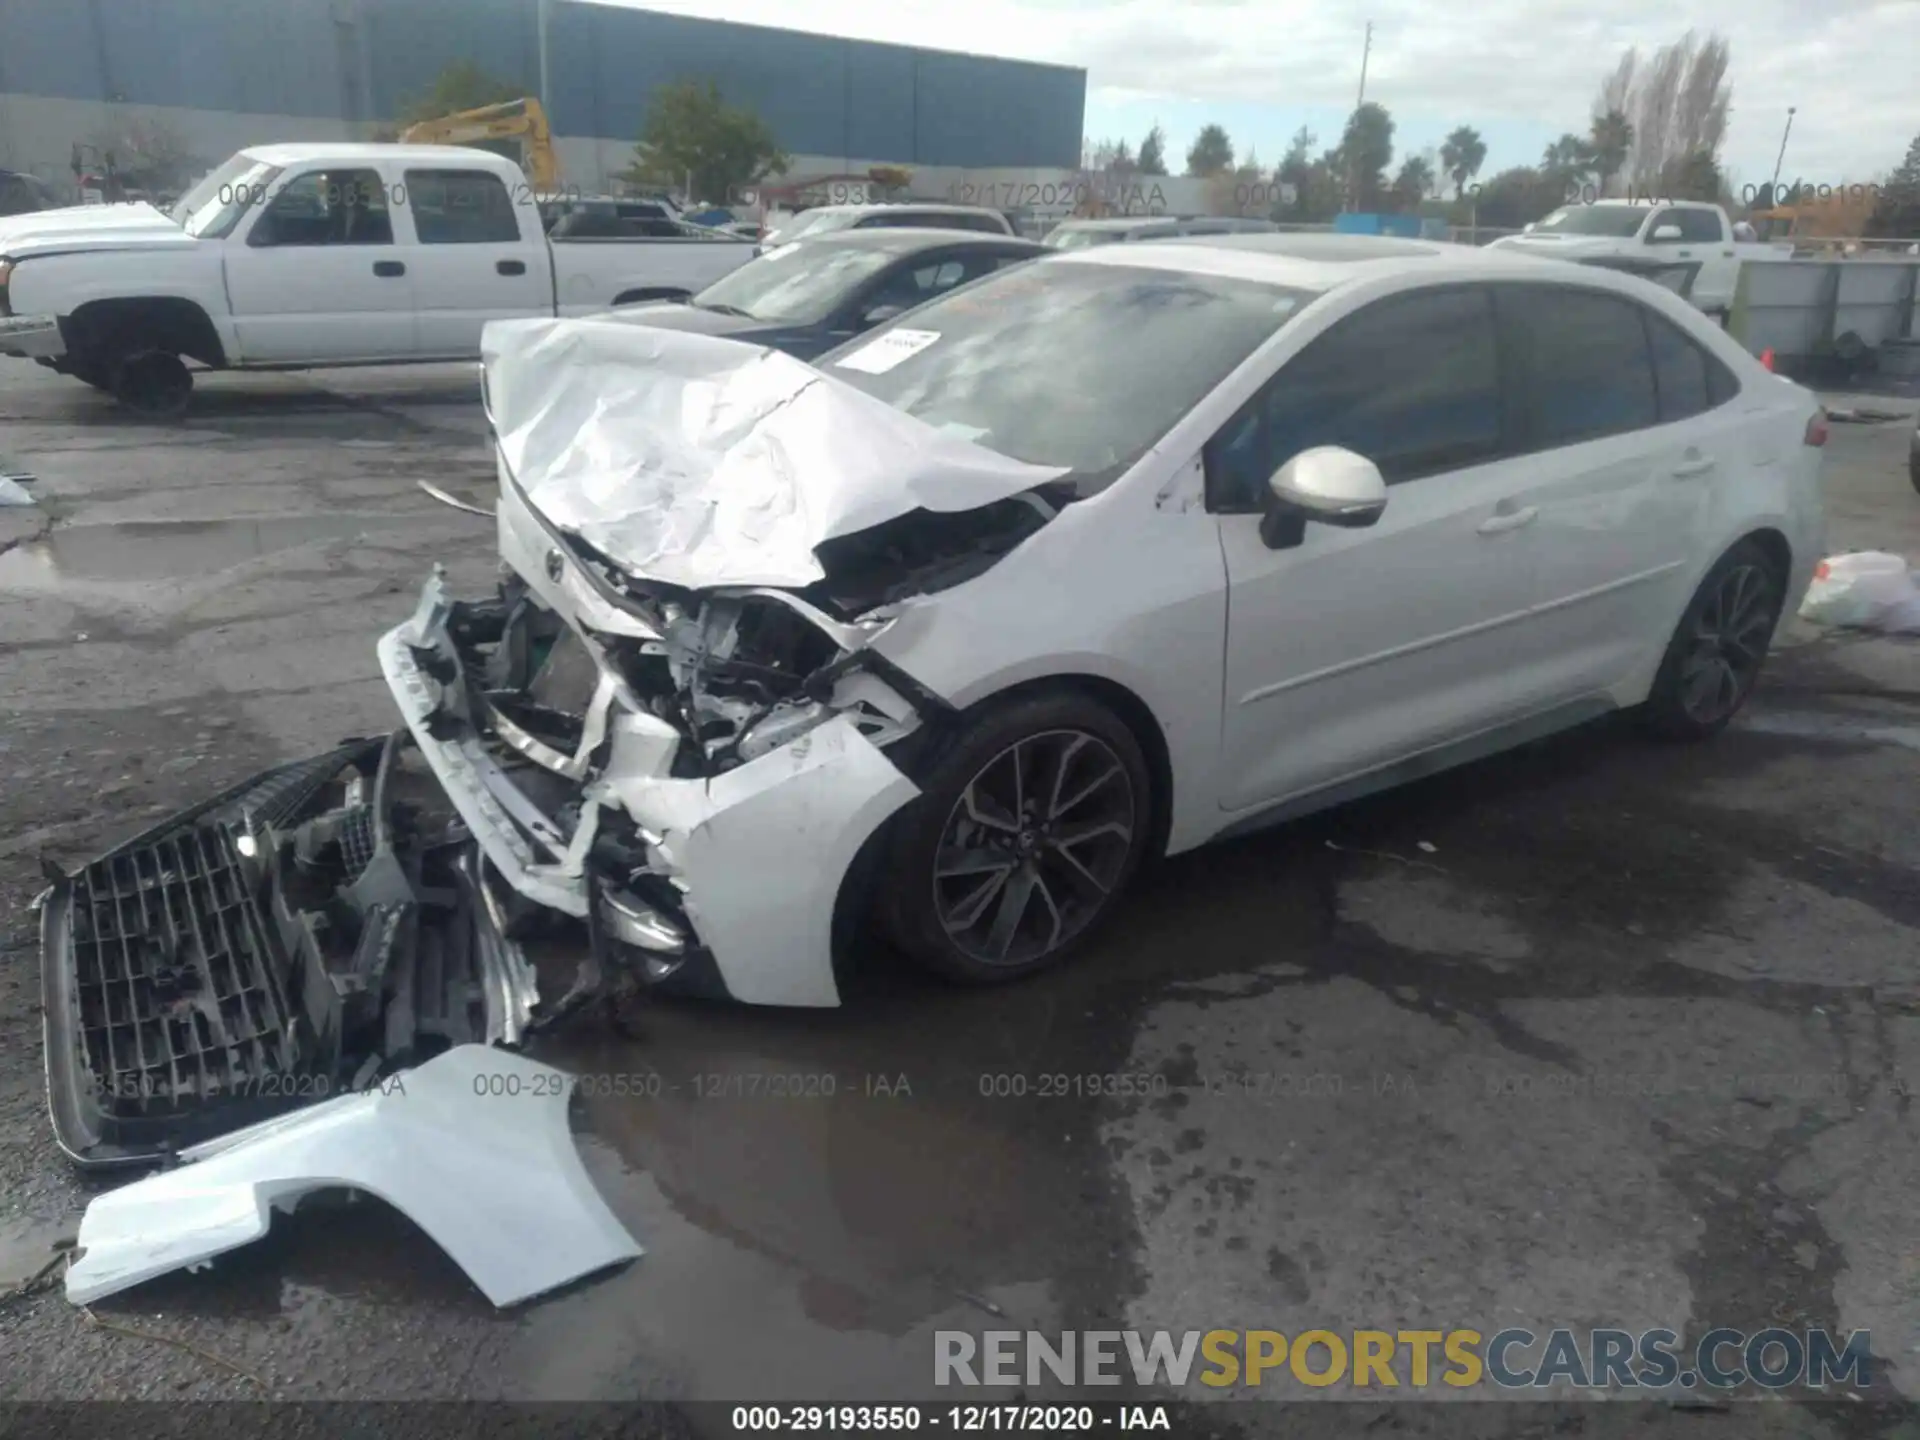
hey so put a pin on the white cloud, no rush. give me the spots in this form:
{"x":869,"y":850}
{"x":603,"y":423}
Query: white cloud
{"x":1849,"y":65}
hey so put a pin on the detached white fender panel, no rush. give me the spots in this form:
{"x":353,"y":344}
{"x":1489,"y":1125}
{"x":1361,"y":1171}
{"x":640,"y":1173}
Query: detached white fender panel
{"x":472,"y":1146}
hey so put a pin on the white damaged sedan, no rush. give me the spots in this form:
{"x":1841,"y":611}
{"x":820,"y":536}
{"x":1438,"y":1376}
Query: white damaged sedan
{"x":1098,"y":558}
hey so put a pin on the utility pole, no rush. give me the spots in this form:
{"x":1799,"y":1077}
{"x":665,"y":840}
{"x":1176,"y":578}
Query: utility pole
{"x":546,"y":74}
{"x":1353,"y":177}
{"x":1774,"y":188}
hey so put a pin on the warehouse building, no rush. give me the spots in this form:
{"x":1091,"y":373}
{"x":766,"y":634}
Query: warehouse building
{"x":216,"y":75}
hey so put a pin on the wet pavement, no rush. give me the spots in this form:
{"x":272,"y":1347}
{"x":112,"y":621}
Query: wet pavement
{"x":1596,"y":1033}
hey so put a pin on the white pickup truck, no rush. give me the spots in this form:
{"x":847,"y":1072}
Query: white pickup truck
{"x":295,"y":257}
{"x":1679,"y":233}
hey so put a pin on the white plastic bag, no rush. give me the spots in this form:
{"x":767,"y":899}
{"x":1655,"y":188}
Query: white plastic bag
{"x":1869,"y":590}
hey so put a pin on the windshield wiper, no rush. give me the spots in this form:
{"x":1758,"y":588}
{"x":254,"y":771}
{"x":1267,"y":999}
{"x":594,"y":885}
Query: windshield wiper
{"x":719,"y":308}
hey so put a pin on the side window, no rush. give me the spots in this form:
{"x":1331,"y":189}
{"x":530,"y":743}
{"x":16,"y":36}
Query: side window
{"x":461,"y":207}
{"x":1679,"y":370}
{"x":911,"y":286}
{"x":1585,"y":364}
{"x":1700,"y":227}
{"x":1665,"y":217}
{"x":326,"y":207}
{"x":1411,"y":382}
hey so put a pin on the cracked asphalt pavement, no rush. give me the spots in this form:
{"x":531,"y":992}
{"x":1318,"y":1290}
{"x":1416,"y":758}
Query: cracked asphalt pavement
{"x":1598,"y":1033}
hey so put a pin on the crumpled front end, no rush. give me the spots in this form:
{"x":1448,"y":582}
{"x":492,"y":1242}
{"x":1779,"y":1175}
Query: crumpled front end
{"x":696,"y":795}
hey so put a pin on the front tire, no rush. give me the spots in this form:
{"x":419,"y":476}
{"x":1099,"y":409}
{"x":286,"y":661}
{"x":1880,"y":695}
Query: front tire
{"x":1028,"y":827}
{"x":154,"y":384}
{"x":1713,"y":660}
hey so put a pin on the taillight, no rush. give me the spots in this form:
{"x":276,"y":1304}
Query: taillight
{"x":1816,"y":429}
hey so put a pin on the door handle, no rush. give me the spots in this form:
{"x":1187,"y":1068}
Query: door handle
{"x":512,"y":267}
{"x":1686,"y":470}
{"x":1510,"y":520}
{"x":387,"y":269}
{"x":1727,"y":253}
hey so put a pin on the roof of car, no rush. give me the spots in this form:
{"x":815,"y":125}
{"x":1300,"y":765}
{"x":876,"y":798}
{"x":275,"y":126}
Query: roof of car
{"x":307,"y":154}
{"x":1321,"y":261}
{"x":907,"y":239}
{"x":929,"y":207}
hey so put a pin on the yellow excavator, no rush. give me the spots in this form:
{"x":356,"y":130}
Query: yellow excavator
{"x":516,"y":129}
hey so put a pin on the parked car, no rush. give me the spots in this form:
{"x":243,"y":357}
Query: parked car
{"x":22,"y":194}
{"x":296,"y":256}
{"x":806,"y":299}
{"x":1682,"y":231}
{"x":1114,"y":230}
{"x":825,"y":219}
{"x":1097,"y":559}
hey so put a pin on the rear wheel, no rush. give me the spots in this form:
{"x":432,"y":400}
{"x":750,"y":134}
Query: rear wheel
{"x":1714,"y":658}
{"x":1027,"y":829}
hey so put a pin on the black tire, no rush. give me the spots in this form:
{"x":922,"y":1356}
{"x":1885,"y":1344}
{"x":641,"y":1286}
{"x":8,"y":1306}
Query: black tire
{"x":1913,"y":463}
{"x":1714,"y":658}
{"x":154,"y":384}
{"x":1063,"y":744}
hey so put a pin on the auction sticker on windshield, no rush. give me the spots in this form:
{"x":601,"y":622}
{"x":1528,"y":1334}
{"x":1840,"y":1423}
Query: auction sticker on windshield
{"x":882,"y":354}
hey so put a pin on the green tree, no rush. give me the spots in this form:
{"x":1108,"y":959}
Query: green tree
{"x":1296,"y":168}
{"x":1413,"y":184}
{"x":1153,"y":153}
{"x":463,"y":85}
{"x":1211,"y":152}
{"x":1461,"y":156}
{"x":1692,"y":176}
{"x":1518,"y":197}
{"x":693,"y":137}
{"x":1609,"y":142}
{"x":1367,"y":147}
{"x":1897,"y":211}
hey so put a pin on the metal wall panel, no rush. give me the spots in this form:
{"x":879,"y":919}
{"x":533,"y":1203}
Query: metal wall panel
{"x":354,"y":60}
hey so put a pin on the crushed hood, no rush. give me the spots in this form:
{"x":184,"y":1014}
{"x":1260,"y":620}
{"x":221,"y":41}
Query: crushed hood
{"x":88,"y":227}
{"x":699,"y":461}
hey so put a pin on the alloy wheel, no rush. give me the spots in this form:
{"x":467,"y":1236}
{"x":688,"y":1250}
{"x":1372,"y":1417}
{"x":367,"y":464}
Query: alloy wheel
{"x":1034,"y":847}
{"x":1728,"y":642}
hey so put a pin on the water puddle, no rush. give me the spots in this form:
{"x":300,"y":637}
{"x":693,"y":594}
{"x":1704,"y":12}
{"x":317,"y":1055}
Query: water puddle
{"x":1813,"y":725}
{"x":151,"y":552}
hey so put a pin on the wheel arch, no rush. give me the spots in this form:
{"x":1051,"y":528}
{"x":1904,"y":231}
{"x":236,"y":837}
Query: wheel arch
{"x":166,"y":322}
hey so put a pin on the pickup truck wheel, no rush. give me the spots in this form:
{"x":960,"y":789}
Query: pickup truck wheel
{"x":152,"y":383}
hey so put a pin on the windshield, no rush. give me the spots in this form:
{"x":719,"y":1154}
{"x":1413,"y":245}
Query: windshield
{"x":213,"y":207}
{"x":1062,"y":362}
{"x":795,"y":284}
{"x":1621,"y":222}
{"x":1063,"y":238}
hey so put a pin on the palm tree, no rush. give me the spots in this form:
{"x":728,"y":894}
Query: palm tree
{"x":1461,"y":156}
{"x":1609,"y":142}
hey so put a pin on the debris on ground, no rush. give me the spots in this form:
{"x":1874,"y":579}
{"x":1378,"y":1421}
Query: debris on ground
{"x":12,"y":492}
{"x":473,"y":1147}
{"x":1866,"y":590}
{"x":286,"y":942}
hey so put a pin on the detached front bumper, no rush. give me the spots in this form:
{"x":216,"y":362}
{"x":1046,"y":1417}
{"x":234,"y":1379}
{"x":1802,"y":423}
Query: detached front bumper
{"x":737,"y":874}
{"x":32,"y":337}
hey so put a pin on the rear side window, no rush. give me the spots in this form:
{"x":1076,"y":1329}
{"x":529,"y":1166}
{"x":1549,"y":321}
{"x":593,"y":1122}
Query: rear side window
{"x":1690,"y":380}
{"x":1699,"y":225}
{"x":1585,"y":364}
{"x":461,"y":207}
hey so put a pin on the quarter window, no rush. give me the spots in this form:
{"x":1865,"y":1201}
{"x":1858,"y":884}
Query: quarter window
{"x":1585,"y":363}
{"x":461,"y":207}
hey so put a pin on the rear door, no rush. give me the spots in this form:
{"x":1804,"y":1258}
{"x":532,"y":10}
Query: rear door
{"x":1360,"y":647}
{"x":1621,"y":494}
{"x":322,"y":273}
{"x":481,"y":256}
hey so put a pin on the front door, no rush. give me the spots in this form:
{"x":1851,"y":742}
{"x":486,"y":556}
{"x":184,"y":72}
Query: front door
{"x":318,"y":275}
{"x":1358,"y":648}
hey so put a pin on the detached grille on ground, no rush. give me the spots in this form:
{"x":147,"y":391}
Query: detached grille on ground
{"x":181,"y":989}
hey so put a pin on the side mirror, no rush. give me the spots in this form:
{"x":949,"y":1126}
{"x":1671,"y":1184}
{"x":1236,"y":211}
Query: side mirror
{"x":1662,"y":234}
{"x":880,"y":314}
{"x":1328,"y":485}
